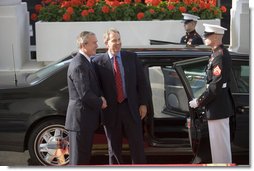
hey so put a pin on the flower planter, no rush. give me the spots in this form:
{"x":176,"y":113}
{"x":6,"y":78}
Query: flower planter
{"x":55,"y":40}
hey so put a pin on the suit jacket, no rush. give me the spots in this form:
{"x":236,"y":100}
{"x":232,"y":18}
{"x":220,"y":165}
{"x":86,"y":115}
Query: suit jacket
{"x":84,"y":95}
{"x":135,"y":84}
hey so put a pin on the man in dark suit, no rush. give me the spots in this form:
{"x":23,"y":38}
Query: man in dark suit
{"x":191,"y":38}
{"x":217,"y":98}
{"x":125,"y":88}
{"x":85,"y":101}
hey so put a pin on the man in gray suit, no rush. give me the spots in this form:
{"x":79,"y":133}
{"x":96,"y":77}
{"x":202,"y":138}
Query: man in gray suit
{"x":85,"y":101}
{"x":125,"y":88}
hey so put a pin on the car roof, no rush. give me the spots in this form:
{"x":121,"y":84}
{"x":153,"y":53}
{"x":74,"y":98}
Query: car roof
{"x":164,"y":51}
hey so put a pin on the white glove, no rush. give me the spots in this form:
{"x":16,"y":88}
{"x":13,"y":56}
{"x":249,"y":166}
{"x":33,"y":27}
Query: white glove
{"x":193,"y":103}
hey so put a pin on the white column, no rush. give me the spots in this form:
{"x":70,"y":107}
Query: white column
{"x":14,"y":33}
{"x":240,"y":26}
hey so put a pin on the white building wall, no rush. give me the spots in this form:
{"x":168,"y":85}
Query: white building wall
{"x":14,"y":33}
{"x":240,"y":26}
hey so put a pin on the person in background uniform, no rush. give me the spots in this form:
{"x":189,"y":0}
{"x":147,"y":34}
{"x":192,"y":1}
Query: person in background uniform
{"x":85,"y":101}
{"x":125,"y":88}
{"x":217,"y":97}
{"x":192,"y":38}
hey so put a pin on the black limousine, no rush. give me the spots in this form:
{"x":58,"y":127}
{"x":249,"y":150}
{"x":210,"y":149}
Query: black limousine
{"x":32,"y":114}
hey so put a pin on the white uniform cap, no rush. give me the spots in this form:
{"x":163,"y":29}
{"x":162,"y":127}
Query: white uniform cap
{"x":209,"y":28}
{"x":190,"y":17}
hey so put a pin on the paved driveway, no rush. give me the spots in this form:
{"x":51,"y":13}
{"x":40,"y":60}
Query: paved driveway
{"x":14,"y":158}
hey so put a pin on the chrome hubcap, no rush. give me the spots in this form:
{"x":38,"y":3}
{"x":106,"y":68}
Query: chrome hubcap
{"x":53,"y":145}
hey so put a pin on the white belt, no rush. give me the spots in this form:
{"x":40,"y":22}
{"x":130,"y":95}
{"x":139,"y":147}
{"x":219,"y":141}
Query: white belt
{"x":224,"y":85}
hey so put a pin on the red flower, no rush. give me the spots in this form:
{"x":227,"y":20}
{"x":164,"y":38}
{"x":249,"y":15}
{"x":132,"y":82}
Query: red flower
{"x":140,"y":15}
{"x":223,"y":9}
{"x":90,"y":3}
{"x":171,"y":7}
{"x":65,"y":4}
{"x":116,"y":3}
{"x":33,"y":16}
{"x":207,"y":6}
{"x":202,"y":5}
{"x":153,"y":2}
{"x":187,"y":2}
{"x":127,"y":1}
{"x":151,"y":11}
{"x":84,"y":13}
{"x":105,"y":9}
{"x":76,"y":2}
{"x":194,"y":9}
{"x":182,"y":9}
{"x":113,"y":3}
{"x":52,"y":10}
{"x":37,"y":8}
{"x":212,"y":2}
{"x":66,"y":17}
{"x":91,"y":10}
{"x":70,"y":10}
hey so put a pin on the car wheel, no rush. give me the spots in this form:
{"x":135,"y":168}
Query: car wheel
{"x":49,"y":143}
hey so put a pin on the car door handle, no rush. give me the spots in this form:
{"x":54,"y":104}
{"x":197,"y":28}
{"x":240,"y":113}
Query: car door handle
{"x":243,"y":109}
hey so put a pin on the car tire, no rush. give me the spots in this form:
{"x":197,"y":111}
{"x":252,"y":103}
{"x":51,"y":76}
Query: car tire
{"x":49,"y":143}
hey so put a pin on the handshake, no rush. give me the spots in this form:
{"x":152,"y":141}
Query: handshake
{"x":104,"y":102}
{"x":193,"y":103}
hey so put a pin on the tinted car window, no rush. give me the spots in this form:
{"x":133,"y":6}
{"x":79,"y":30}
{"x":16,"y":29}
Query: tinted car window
{"x":196,"y":76}
{"x":45,"y":72}
{"x":242,"y":73}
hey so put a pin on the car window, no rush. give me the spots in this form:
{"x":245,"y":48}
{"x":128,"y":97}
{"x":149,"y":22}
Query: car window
{"x":46,"y":71}
{"x":196,"y":77}
{"x":168,"y":93}
{"x":241,"y":72}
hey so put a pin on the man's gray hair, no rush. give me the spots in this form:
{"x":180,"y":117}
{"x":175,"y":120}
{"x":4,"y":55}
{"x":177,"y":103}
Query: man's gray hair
{"x":108,"y":32}
{"x":83,"y":38}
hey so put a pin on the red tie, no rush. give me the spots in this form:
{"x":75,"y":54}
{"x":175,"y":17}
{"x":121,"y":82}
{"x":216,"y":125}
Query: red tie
{"x":118,"y":80}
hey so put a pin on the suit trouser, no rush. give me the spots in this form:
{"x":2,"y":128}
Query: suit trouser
{"x":80,"y":147}
{"x":134,"y":134}
{"x":219,"y":133}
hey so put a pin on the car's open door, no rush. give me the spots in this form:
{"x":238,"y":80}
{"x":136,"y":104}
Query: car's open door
{"x":192,"y":73}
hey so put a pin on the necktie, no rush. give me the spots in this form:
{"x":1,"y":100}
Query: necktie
{"x":118,"y":81}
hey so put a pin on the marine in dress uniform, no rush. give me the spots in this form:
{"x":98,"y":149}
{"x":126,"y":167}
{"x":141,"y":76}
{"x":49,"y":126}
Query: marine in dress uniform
{"x":191,"y":38}
{"x":217,"y":98}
